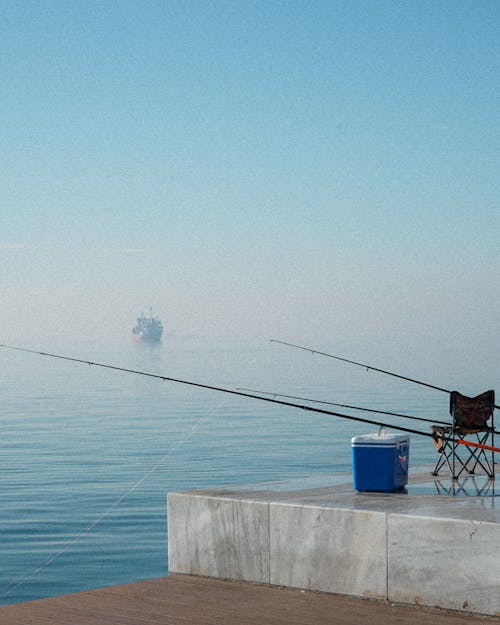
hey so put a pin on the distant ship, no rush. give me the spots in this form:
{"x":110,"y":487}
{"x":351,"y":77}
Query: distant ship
{"x":148,"y":329}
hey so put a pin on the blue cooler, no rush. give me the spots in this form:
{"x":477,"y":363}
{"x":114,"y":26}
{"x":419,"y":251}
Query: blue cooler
{"x":380,"y":461}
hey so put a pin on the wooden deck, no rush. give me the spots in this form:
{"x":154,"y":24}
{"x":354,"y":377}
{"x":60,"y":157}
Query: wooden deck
{"x":185,"y":600}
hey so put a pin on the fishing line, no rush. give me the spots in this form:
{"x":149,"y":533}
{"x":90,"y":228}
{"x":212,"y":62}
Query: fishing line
{"x":367,"y":367}
{"x":8,"y":590}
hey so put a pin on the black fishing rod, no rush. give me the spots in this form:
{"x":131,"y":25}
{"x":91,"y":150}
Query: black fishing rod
{"x":218,"y":388}
{"x":331,"y":403}
{"x":367,"y":367}
{"x":238,"y":393}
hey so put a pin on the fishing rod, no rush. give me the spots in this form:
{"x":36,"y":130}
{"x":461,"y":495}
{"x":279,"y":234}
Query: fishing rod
{"x":367,"y":367}
{"x":331,"y":403}
{"x":238,"y":393}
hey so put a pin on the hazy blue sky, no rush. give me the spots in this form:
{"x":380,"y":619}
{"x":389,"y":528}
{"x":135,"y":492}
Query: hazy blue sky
{"x":298,"y":170}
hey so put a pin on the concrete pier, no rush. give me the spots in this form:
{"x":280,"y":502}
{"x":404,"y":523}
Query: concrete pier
{"x":437,"y":544}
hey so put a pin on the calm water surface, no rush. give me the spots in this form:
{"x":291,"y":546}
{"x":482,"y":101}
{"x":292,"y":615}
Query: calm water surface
{"x":89,"y":454}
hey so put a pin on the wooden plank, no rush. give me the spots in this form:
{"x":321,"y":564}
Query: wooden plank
{"x":186,"y":600}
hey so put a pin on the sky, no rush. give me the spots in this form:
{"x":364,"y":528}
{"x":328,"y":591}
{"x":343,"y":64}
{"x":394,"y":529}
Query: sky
{"x":318,"y":172}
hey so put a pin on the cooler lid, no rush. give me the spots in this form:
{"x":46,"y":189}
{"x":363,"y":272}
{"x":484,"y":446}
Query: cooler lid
{"x":380,"y":438}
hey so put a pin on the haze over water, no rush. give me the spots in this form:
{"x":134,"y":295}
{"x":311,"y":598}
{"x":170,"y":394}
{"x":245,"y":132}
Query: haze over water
{"x":322,"y":173}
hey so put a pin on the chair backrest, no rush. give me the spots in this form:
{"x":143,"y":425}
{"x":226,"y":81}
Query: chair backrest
{"x":472,"y":412}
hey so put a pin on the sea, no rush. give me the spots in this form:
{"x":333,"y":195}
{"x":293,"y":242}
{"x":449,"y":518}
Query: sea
{"x":89,"y":453}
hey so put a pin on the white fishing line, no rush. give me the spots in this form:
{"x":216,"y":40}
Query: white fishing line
{"x":11,"y":588}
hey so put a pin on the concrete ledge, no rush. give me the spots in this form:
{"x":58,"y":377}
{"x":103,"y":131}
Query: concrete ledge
{"x":328,"y":549}
{"x":218,"y":537}
{"x":444,"y":562}
{"x":421,"y":547}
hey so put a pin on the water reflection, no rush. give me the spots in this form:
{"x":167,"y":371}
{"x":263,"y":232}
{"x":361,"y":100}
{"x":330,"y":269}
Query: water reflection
{"x":469,"y":486}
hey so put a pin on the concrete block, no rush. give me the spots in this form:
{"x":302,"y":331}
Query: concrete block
{"x":449,"y":563}
{"x":328,"y":549}
{"x":218,"y":537}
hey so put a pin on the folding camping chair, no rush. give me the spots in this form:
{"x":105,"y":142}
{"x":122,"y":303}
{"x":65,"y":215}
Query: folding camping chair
{"x":470,"y":417}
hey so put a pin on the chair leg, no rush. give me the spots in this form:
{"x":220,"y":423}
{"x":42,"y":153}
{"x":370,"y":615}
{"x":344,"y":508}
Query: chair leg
{"x":492,"y":452}
{"x":444,"y":458}
{"x":454,"y":445}
{"x":441,"y":461}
